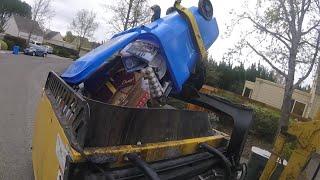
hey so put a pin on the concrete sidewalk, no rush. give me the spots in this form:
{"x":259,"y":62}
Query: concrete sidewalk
{"x":5,"y":52}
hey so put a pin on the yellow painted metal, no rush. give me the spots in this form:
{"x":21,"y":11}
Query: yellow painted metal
{"x":46,"y":131}
{"x":307,"y":136}
{"x":157,"y":151}
{"x":48,"y":128}
{"x":194,"y":26}
{"x":273,"y":160}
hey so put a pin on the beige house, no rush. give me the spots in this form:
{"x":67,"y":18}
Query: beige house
{"x":21,"y":27}
{"x":303,"y":103}
{"x":53,"y":36}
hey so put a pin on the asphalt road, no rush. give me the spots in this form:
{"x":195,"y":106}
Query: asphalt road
{"x":21,"y":80}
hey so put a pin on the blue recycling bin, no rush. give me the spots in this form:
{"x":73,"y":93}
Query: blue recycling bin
{"x":175,"y":41}
{"x":15,"y":50}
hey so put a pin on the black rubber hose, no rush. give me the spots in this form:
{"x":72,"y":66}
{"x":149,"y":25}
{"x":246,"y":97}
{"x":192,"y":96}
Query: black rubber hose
{"x":147,"y":170}
{"x":225,"y":160}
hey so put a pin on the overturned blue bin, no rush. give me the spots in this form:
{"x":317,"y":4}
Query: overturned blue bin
{"x":175,"y":41}
{"x":15,"y":50}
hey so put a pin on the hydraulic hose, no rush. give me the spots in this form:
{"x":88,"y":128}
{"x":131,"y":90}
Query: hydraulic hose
{"x":224,"y":159}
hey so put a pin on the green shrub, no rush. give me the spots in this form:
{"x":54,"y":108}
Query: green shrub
{"x":10,"y":44}
{"x":3,"y":45}
{"x":12,"y":41}
{"x":288,"y":148}
{"x":64,"y":52}
{"x":265,"y":118}
{"x":265,"y":123}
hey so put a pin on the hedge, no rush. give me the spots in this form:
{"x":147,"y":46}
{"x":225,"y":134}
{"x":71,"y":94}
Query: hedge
{"x":265,"y":123}
{"x":12,"y":41}
{"x":4,"y":45}
{"x":64,"y":52}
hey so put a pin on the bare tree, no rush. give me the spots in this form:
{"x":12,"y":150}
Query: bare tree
{"x":84,"y":25}
{"x":286,"y":35}
{"x":41,"y":12}
{"x":128,"y":14}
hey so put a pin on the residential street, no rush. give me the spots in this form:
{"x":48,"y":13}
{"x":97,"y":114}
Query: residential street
{"x":21,"y":80}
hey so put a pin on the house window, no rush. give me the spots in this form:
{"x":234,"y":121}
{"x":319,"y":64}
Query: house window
{"x":247,"y":92}
{"x":298,"y":108}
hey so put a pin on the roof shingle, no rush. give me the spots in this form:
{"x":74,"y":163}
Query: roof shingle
{"x":51,"y":34}
{"x":27,"y":25}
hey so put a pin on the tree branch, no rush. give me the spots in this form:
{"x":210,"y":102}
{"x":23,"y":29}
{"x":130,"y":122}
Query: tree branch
{"x":293,"y":17}
{"x":274,"y":34}
{"x":315,"y":55}
{"x":267,"y":60}
{"x":311,"y":28}
{"x":304,"y":9}
{"x":306,"y":42}
{"x":286,"y":14}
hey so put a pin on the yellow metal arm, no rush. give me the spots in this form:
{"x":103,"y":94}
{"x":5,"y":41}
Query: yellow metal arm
{"x":273,"y":160}
{"x":307,"y":136}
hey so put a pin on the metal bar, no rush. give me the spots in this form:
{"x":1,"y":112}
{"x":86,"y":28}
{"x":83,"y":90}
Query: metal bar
{"x":66,"y":102}
{"x":241,"y":115}
{"x":225,"y":160}
{"x":147,"y":170}
{"x":185,"y":167}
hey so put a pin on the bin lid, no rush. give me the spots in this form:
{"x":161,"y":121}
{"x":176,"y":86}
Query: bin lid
{"x":83,"y":67}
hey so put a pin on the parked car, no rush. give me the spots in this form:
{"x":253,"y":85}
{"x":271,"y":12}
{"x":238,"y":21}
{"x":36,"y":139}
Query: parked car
{"x":36,"y":51}
{"x":35,"y":43}
{"x":49,"y":49}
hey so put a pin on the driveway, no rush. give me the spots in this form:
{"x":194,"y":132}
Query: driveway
{"x":21,"y":80}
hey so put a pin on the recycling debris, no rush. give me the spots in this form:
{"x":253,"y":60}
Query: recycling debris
{"x":137,"y":75}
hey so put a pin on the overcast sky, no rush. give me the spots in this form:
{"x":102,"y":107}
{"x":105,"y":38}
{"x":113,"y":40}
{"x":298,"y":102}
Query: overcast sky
{"x":65,"y":11}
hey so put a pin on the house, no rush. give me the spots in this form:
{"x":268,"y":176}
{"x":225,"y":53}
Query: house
{"x":303,"y":104}
{"x":53,"y":36}
{"x":21,"y":27}
{"x":86,"y":45}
